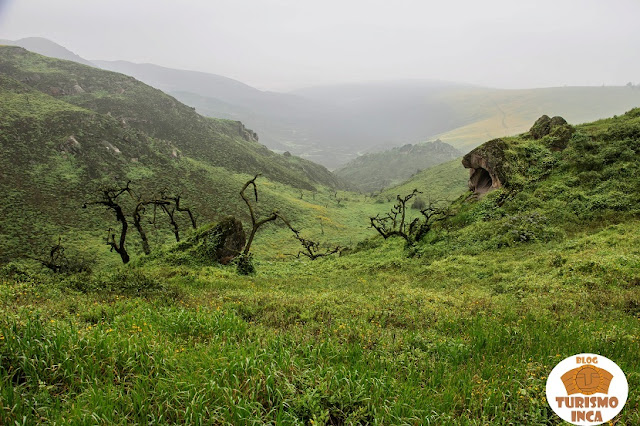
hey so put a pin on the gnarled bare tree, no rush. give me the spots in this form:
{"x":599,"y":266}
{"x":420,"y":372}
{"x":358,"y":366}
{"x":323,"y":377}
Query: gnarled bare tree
{"x":170,"y":204}
{"x":55,"y":258}
{"x":255,"y":222}
{"x":109,"y":199}
{"x":435,"y":211}
{"x":394,"y":223}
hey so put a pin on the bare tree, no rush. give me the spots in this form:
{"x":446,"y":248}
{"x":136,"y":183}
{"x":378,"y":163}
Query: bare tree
{"x":176,"y":201}
{"x":109,"y":200}
{"x":170,"y":211}
{"x":55,"y":259}
{"x":138,"y":213}
{"x":435,"y":211}
{"x":137,"y":223}
{"x":393,"y":222}
{"x":255,"y":222}
{"x":169,"y":204}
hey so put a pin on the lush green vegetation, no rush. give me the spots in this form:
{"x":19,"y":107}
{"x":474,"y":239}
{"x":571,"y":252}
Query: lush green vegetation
{"x":59,"y":144}
{"x":370,"y":337}
{"x":461,"y":327}
{"x":376,"y":171}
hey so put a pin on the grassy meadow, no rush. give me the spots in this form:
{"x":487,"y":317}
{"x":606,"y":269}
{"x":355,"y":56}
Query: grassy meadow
{"x":373,"y":337}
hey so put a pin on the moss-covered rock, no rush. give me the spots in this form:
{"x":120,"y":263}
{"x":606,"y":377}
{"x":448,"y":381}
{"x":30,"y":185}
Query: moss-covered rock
{"x":556,"y":130}
{"x":541,"y":127}
{"x":220,"y":242}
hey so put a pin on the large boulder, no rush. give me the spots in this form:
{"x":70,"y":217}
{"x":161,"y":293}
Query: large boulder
{"x":220,"y":242}
{"x":541,"y":127}
{"x":557,"y":128}
{"x":486,"y":166}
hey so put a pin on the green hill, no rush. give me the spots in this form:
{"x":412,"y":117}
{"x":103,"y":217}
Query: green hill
{"x":373,"y":172}
{"x":548,"y":193}
{"x":446,"y":181}
{"x":461,"y":327}
{"x":69,"y":128}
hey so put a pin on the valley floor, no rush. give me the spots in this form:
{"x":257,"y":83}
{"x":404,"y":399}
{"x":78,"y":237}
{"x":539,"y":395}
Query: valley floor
{"x":371,"y":337}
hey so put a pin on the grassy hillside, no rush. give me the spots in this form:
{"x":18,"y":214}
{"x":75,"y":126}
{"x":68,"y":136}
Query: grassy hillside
{"x":550,"y":194}
{"x":445,"y":181}
{"x":60,"y":144}
{"x":373,"y":172}
{"x":136,"y":105}
{"x":463,"y":328}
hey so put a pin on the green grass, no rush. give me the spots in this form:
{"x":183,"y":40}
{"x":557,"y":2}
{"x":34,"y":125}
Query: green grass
{"x":445,"y":181}
{"x":371,"y":337}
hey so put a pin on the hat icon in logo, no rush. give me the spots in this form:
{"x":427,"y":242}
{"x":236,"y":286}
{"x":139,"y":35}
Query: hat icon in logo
{"x":587,"y":380}
{"x":587,"y":389}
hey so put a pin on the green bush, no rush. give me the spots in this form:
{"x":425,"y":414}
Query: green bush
{"x":244,"y":264}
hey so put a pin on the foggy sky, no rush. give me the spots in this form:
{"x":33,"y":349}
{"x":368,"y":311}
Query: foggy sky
{"x":285,"y":44}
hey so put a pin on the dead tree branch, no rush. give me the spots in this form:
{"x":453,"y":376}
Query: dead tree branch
{"x":312,"y":249}
{"x":255,"y":222}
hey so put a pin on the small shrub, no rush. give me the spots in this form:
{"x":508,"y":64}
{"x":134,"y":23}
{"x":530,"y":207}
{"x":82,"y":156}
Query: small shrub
{"x":418,"y":204}
{"x":131,"y":281}
{"x":16,"y":271}
{"x":244,"y":264}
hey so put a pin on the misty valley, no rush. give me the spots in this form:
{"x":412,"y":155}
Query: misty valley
{"x":179,"y":247}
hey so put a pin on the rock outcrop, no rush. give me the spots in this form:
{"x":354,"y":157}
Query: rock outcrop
{"x":70,"y":146}
{"x":220,"y":242}
{"x":246,"y":134}
{"x":486,"y":166}
{"x":557,"y":128}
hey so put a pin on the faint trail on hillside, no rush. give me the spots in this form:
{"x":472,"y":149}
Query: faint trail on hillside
{"x":504,"y":116}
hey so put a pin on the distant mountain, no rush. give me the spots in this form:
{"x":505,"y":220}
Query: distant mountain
{"x":333,"y":124}
{"x":67,"y":128}
{"x":283,"y":121}
{"x":46,"y":47}
{"x":329,"y":125}
{"x":372,"y":172}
